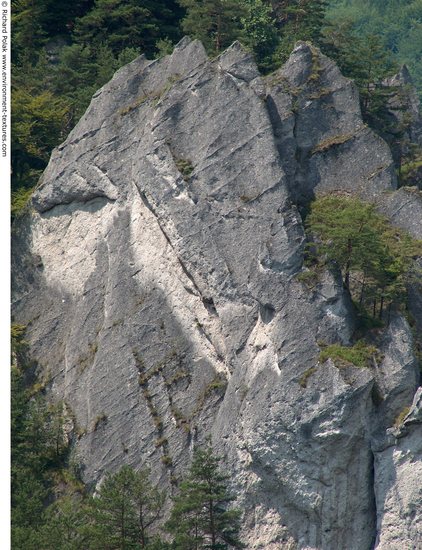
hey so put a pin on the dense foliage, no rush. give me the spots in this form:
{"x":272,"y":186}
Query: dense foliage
{"x":376,"y":259}
{"x":61,"y":55}
{"x":200,"y":518}
{"x":124,"y":511}
{"x":398,"y":23}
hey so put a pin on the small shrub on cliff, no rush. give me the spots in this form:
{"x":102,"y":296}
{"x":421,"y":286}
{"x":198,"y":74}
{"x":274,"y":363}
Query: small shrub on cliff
{"x":303,"y":380}
{"x":185,"y":167}
{"x":359,"y":355}
{"x":401,"y":416}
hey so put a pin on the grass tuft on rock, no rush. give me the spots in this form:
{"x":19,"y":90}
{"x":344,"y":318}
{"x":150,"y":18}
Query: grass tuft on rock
{"x":360,"y":355}
{"x":400,"y":417}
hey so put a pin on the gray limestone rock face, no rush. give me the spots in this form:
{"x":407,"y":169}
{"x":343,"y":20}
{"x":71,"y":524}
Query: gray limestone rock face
{"x":161,"y":277}
{"x":398,"y":474}
{"x":324,"y":144}
{"x":404,"y":105}
{"x":404,"y":209}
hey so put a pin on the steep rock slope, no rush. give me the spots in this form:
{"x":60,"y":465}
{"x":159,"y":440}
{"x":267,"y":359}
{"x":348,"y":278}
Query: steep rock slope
{"x":157,"y":274}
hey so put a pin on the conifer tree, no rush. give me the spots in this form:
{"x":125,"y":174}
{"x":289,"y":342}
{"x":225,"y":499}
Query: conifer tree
{"x":121,"y":515}
{"x":364,"y":59}
{"x":200,"y":517}
{"x":298,"y":20}
{"x":64,"y":525}
{"x":217,"y":23}
{"x":260,"y":32}
{"x":358,"y":240}
{"x":38,"y":447}
{"x":123,"y":24}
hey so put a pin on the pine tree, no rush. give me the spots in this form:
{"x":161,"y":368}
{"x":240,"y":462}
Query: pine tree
{"x":216,"y":23}
{"x":38,"y":125}
{"x":64,"y":525}
{"x":298,"y":20}
{"x":121,"y":24}
{"x":260,"y":32}
{"x":38,"y":446}
{"x":360,"y":241}
{"x":364,"y":59}
{"x":123,"y":512}
{"x":200,"y":517}
{"x":28,"y":34}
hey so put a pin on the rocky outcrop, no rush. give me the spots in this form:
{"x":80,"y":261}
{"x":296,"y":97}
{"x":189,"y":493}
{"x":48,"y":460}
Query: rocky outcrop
{"x":404,"y":106}
{"x":320,"y":132}
{"x":159,"y":274}
{"x":400,"y":124}
{"x":398,"y":469}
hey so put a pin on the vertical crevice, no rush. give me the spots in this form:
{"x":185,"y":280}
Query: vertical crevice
{"x":373,"y":504}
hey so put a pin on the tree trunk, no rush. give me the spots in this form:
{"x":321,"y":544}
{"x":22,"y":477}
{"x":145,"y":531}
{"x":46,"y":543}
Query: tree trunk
{"x":348,"y":264}
{"x":381,"y":306}
{"x":362,"y":290}
{"x":122,"y":529}
{"x":212,"y":526}
{"x":218,"y":34}
{"x":141,"y":526}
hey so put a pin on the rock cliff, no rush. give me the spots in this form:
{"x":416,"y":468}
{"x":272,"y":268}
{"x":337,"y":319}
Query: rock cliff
{"x":157,"y":275}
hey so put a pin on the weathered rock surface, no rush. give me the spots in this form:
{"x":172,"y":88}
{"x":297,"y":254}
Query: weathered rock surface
{"x":404,"y":106}
{"x":157,"y":274}
{"x":320,"y":133}
{"x":398,"y":471}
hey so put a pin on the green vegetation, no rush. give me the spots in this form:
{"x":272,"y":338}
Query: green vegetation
{"x":411,"y":171}
{"x":331,"y":142}
{"x":365,"y":60}
{"x":39,"y":449}
{"x":217,"y":23}
{"x":376,"y":259}
{"x":124,"y":512}
{"x":369,"y":41}
{"x":303,"y":380}
{"x":218,"y":383}
{"x":167,"y":460}
{"x":52,"y":509}
{"x":20,"y":199}
{"x":215,"y":387}
{"x":360,"y":355}
{"x":308,"y":278}
{"x":200,"y":517}
{"x":133,"y":106}
{"x":180,"y":374}
{"x":154,"y":97}
{"x":161,"y":441}
{"x":396,"y":23}
{"x":99,"y":420}
{"x":62,"y":55}
{"x":401,"y":416}
{"x":260,"y":32}
{"x":185,"y":167}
